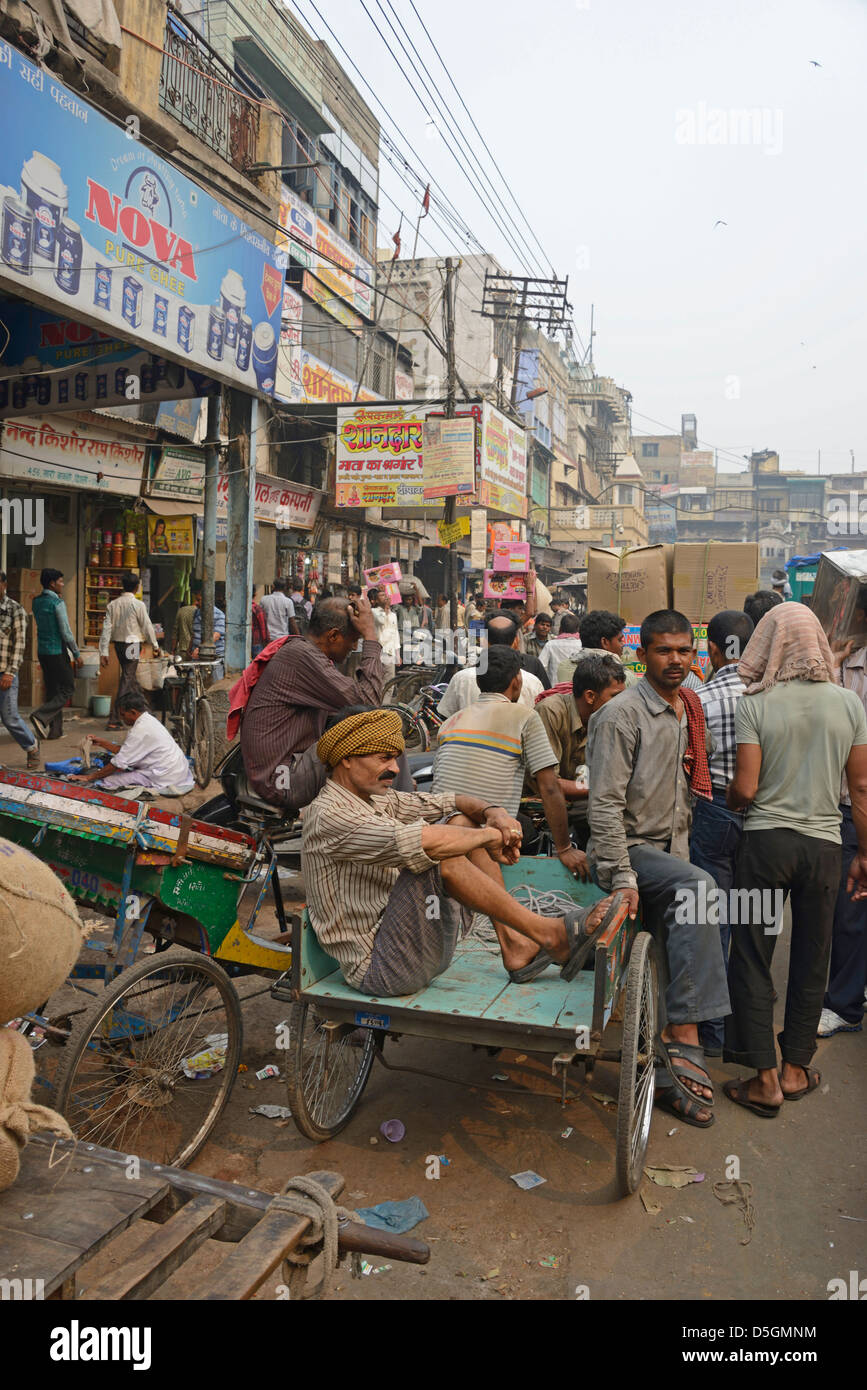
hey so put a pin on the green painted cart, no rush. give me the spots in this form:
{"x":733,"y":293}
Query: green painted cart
{"x":142,"y":1046}
{"x":335,"y":1032}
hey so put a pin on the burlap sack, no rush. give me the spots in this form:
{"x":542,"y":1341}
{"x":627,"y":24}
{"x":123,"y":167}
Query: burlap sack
{"x":40,"y":932}
{"x":19,"y":1117}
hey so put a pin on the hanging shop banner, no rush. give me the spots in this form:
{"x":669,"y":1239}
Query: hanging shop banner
{"x":170,"y":537}
{"x":316,"y":246}
{"x":449,"y":457}
{"x":183,"y":418}
{"x":289,"y":386}
{"x":319,"y":382}
{"x":450,"y":532}
{"x":281,"y":503}
{"x":98,"y":222}
{"x":379,"y":457}
{"x":50,"y":451}
{"x":403,"y":386}
{"x":178,"y":473}
{"x":382,"y":460}
{"x":503,"y":475}
{"x":478,"y":538}
{"x":63,"y":364}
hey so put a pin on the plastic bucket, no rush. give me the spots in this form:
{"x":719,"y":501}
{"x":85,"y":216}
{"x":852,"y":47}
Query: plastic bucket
{"x":89,"y":666}
{"x":100,"y":705}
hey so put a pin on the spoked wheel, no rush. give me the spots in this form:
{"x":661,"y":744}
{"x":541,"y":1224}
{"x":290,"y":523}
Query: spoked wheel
{"x":133,"y":1077}
{"x":203,"y":747}
{"x":635,"y":1097}
{"x":327,"y":1070}
{"x":415,"y":731}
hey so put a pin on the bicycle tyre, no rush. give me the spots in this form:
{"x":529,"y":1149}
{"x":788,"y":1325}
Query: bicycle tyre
{"x":415,"y":731}
{"x":326,"y":1072}
{"x":143,"y":1088}
{"x":203,"y":743}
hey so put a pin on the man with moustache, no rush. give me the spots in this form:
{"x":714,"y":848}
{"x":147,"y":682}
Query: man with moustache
{"x":394,"y":877}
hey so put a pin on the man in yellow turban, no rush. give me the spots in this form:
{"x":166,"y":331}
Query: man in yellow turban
{"x":393,"y":877}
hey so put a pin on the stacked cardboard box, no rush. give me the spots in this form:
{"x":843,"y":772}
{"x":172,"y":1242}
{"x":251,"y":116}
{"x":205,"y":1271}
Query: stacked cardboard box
{"x":841,"y":587}
{"x":713,"y":575}
{"x":633,"y":584}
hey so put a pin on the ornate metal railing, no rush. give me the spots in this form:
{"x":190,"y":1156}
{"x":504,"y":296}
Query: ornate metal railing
{"x":200,"y":91}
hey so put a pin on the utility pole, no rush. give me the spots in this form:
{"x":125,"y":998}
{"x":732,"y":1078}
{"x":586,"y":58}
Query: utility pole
{"x":451,"y":402}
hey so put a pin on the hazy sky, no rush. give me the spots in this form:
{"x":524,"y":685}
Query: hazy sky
{"x":627,"y":129}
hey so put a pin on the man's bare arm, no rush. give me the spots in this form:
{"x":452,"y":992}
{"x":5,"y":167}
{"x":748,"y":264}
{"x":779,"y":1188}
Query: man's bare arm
{"x":742,"y":789}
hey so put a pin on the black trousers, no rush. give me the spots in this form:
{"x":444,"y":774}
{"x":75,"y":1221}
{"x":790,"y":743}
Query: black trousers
{"x":59,"y":685}
{"x":128,"y":668}
{"x":809,"y":869}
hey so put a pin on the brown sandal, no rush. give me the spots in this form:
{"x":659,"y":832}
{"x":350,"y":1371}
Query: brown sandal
{"x":813,"y":1079}
{"x":737,"y":1092}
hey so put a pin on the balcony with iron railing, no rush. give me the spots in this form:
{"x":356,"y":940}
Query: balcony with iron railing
{"x":204,"y":94}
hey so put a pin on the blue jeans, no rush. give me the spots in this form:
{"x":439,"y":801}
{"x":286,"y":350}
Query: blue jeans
{"x":23,"y":736}
{"x":697,"y":986}
{"x":713,"y":846}
{"x":845,"y":994}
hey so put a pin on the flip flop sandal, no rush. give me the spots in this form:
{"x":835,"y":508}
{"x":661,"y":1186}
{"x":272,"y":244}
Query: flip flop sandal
{"x":583,"y":942}
{"x":685,"y":1062}
{"x":813,"y":1079}
{"x":688,"y":1113}
{"x":737,"y":1092}
{"x":525,"y":973}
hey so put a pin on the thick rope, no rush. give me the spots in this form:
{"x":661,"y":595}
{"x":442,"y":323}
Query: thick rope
{"x":735,"y":1192}
{"x":305,"y":1197}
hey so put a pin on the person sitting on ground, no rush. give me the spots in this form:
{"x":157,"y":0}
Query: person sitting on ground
{"x":147,"y":760}
{"x":375,"y":860}
{"x":647,"y":758}
{"x":761,"y":602}
{"x":463,"y":687}
{"x":300,"y":686}
{"x":541,"y":633}
{"x":797,"y":730}
{"x":495,"y":744}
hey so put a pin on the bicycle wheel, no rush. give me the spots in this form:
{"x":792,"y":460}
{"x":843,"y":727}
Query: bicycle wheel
{"x":203,"y":742}
{"x":128,"y":1076}
{"x":637,"y":1058}
{"x":327,"y":1069}
{"x":415,"y":732}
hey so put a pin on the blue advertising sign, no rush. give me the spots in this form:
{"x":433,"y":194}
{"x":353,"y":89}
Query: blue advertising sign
{"x":96,"y":222}
{"x":60,"y":363}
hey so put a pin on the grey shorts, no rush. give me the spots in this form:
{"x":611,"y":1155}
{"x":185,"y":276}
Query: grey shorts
{"x":417,"y":937}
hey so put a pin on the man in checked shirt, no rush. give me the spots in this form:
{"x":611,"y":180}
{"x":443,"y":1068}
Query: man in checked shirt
{"x":716,"y":831}
{"x":13,"y":634}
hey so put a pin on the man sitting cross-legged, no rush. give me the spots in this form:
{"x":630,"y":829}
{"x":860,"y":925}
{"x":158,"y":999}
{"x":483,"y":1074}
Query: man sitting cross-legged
{"x":392,"y":877}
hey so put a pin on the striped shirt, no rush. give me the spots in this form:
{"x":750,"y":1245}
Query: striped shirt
{"x":719,"y":700}
{"x":352,"y":853}
{"x":489,"y":748}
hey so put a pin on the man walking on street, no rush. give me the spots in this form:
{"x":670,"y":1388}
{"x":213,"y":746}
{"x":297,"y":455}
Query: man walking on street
{"x":279,"y":612}
{"x":126,"y":625}
{"x":797,"y":729}
{"x":54,"y":642}
{"x":716,"y":831}
{"x":647,"y":757}
{"x":13,"y":636}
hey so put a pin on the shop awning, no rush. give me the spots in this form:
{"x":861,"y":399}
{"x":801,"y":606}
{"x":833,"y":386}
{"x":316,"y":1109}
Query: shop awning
{"x":165,"y":506}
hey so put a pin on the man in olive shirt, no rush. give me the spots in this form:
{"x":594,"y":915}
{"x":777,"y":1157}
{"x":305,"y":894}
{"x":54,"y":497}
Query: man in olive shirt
{"x":639,"y":814}
{"x":566,"y":718}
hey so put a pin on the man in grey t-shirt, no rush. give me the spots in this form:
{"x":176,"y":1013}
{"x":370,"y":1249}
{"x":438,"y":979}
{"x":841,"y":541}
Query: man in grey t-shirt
{"x":279,"y":612}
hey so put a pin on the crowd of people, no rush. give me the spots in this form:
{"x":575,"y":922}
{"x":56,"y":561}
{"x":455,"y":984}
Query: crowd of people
{"x":700,"y":804}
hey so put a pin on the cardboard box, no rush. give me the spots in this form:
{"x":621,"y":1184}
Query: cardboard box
{"x":713,"y":575}
{"x":383,"y":574}
{"x":632,"y":584}
{"x":503,"y":586}
{"x":31,"y":685}
{"x":511,"y":557}
{"x":840,"y":579}
{"x":24,"y":585}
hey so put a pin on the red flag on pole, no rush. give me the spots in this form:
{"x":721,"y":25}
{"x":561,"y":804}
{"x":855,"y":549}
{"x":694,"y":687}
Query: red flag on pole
{"x":425,"y":202}
{"x":396,"y":240}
